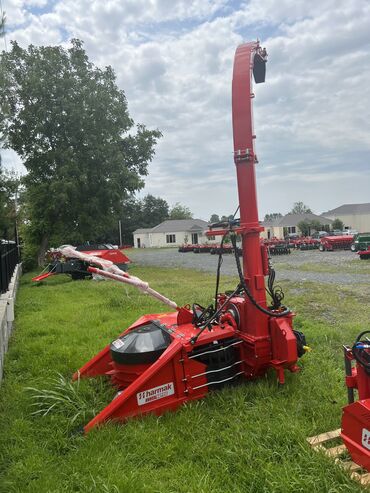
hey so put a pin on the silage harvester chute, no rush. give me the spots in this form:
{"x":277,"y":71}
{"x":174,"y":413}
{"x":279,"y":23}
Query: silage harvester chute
{"x":164,"y":360}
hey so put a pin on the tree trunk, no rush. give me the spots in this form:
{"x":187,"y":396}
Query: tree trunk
{"x":42,"y":250}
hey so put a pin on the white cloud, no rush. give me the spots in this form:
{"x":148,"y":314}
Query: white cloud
{"x":174,"y":61}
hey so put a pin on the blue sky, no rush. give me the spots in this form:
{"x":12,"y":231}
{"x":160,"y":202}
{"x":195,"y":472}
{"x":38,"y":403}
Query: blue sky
{"x":174,"y":61}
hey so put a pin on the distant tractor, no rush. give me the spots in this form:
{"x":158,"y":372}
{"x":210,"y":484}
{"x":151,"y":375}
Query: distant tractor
{"x":361,"y":242}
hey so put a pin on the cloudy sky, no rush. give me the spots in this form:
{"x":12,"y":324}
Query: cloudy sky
{"x":173,"y":58}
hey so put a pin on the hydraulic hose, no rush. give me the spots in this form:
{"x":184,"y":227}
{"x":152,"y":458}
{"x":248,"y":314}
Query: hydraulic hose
{"x":246,"y":289}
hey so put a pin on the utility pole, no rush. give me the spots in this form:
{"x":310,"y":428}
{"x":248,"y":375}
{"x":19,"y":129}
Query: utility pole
{"x":120,"y":232}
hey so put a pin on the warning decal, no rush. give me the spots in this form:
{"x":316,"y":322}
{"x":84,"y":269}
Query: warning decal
{"x":366,"y":438}
{"x":156,"y":393}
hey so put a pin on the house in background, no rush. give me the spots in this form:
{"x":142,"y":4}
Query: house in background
{"x":353,"y":216}
{"x":173,"y":233}
{"x":289,"y":225}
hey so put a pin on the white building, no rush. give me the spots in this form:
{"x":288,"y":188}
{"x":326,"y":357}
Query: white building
{"x":353,"y":216}
{"x":288,"y":224}
{"x":173,"y":233}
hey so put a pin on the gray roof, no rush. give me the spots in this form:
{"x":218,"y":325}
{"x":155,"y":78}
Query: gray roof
{"x":142,"y":230}
{"x":294,"y":219}
{"x":175,"y":226}
{"x":349,"y":209}
{"x":269,"y":224}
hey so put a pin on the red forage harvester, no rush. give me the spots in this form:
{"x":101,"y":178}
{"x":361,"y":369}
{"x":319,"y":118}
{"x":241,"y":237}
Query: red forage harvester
{"x":166,"y":359}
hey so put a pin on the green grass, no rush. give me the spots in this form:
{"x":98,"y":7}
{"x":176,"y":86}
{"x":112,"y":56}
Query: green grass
{"x":249,"y":438}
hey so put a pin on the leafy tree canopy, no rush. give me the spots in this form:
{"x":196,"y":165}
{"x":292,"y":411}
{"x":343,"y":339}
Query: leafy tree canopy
{"x":300,"y":208}
{"x":69,"y":122}
{"x":135,"y":213}
{"x":337,"y":224}
{"x":179,"y":211}
{"x":307,"y":227}
{"x":273,"y":216}
{"x":215,"y":218}
{"x":9,"y":184}
{"x":227,"y":218}
{"x":153,"y":211}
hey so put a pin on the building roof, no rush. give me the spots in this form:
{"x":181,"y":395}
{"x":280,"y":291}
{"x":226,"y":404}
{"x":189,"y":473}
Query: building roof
{"x":271,"y":224}
{"x":294,"y":219}
{"x":348,"y":209}
{"x":142,"y":230}
{"x":175,"y":226}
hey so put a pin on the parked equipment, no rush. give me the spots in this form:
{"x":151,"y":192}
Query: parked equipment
{"x":164,"y":360}
{"x":356,"y":415}
{"x":361,"y":242}
{"x":330,"y":243}
{"x":77,"y":268}
{"x":364,"y":254}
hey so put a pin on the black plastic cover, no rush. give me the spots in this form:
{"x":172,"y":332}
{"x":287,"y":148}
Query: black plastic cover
{"x":259,"y":69}
{"x":140,"y":346}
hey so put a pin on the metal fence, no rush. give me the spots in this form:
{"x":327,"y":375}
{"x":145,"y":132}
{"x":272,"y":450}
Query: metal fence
{"x":9,"y":258}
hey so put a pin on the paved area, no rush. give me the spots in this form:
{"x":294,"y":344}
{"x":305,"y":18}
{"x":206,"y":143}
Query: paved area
{"x":293,"y":267}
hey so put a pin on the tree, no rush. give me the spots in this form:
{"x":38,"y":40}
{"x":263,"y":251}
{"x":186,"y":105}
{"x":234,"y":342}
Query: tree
{"x":273,"y":216}
{"x":145,"y":213}
{"x":304,"y":227}
{"x":307,"y":227}
{"x":215,"y":218}
{"x":227,"y":218}
{"x":9,"y":187}
{"x":337,"y":224}
{"x":69,"y":122}
{"x":179,"y":211}
{"x":300,"y":208}
{"x":154,"y":210}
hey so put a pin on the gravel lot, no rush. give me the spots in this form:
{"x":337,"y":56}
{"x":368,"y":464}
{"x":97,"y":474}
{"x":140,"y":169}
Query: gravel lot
{"x":293,"y":267}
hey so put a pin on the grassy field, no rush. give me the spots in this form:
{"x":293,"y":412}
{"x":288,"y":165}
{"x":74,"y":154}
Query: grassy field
{"x":250,"y":438}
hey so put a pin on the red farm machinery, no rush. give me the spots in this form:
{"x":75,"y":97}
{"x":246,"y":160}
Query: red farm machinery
{"x":355,"y":431}
{"x":164,"y":360}
{"x":330,"y":243}
{"x":76,"y":267}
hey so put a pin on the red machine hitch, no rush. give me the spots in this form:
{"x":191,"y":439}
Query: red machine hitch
{"x":164,"y":360}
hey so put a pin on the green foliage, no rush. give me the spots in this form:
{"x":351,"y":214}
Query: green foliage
{"x":70,"y":124}
{"x":9,"y":187}
{"x":307,"y":227}
{"x":227,"y":218}
{"x":61,"y":396}
{"x":300,"y":208}
{"x":273,"y":216}
{"x":153,"y":211}
{"x":247,"y":438}
{"x":145,"y":213}
{"x":215,"y":218}
{"x":337,"y":224}
{"x":179,"y":211}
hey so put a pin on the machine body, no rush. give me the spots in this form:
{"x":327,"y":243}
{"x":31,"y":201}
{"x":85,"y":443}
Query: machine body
{"x":164,"y":360}
{"x":356,"y":415}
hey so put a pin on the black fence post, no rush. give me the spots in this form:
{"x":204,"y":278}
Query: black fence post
{"x":9,"y":258}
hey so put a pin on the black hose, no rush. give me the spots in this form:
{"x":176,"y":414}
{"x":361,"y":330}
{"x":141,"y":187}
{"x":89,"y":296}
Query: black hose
{"x":246,"y":289}
{"x":359,"y":351}
{"x":220,"y":260}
